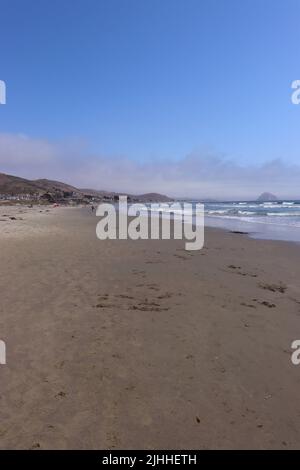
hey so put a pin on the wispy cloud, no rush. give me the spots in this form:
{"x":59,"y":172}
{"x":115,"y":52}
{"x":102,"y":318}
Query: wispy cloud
{"x":195,"y":175}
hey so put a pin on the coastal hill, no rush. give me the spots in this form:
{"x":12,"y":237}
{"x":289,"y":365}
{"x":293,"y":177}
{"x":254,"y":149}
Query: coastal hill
{"x":267,"y":197}
{"x":148,"y":197}
{"x":14,"y":185}
{"x":16,"y":188}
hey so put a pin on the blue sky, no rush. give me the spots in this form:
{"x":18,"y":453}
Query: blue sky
{"x":149,"y":82}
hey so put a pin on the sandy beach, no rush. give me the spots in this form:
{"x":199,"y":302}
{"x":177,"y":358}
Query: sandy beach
{"x":141,"y":344}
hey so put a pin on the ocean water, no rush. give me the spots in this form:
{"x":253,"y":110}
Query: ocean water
{"x":278,"y":220}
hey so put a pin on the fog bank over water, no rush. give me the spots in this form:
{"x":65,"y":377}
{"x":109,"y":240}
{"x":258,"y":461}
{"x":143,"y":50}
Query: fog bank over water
{"x":196,"y":175}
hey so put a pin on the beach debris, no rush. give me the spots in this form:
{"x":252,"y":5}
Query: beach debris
{"x":267,"y":397}
{"x":60,"y":395}
{"x":239,"y":232}
{"x":36,"y":445}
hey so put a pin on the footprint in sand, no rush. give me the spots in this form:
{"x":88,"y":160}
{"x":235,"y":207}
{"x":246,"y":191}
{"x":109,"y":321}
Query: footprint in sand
{"x":104,"y":305}
{"x":60,"y":395}
{"x":167,"y":295}
{"x":273,"y":287}
{"x":154,"y":262}
{"x":241,"y":273}
{"x":36,"y":445}
{"x":267,"y":304}
{"x":147,"y":308}
{"x":181,"y":257}
{"x":103,"y":297}
{"x":146,"y":303}
{"x":153,"y":287}
{"x":125,"y":296}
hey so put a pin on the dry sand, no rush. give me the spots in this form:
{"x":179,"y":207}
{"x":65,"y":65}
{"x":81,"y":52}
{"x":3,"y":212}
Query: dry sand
{"x":140,"y":344}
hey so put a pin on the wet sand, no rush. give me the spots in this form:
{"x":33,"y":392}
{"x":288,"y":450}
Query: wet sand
{"x":141,"y":344}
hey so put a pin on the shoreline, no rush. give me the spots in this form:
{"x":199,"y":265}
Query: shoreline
{"x":22,"y":216}
{"x":258,"y":230}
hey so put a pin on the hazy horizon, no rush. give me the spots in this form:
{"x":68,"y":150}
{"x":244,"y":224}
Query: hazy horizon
{"x":205,"y":175}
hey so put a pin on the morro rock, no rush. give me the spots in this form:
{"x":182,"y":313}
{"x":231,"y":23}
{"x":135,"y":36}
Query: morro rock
{"x":267,"y":197}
